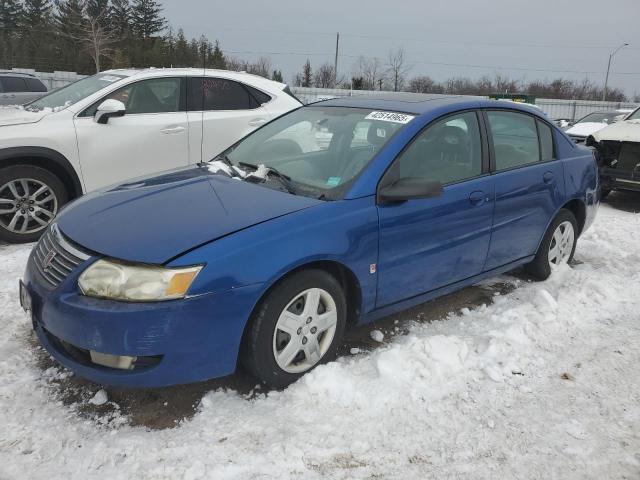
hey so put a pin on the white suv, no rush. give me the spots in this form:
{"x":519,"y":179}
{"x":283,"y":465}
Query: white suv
{"x":117,"y":125}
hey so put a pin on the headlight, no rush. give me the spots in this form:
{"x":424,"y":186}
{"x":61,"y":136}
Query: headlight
{"x":141,"y":283}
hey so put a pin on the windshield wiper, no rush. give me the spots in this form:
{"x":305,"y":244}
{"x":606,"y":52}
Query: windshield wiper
{"x":285,"y":180}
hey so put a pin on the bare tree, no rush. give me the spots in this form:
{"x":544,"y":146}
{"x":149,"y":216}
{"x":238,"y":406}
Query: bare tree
{"x":324,"y":76}
{"x":261,"y":67}
{"x":397,"y":69}
{"x":370,"y":70}
{"x":424,"y":84}
{"x":90,"y":33}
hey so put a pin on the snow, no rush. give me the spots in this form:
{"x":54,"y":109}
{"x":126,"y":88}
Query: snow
{"x":377,"y":336}
{"x":100,"y":398}
{"x":541,"y":383}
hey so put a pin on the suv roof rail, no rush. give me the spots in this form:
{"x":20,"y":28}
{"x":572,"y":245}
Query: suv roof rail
{"x":12,"y":72}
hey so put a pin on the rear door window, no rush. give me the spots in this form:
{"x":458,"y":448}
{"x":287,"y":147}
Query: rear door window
{"x":13,"y":84}
{"x":515,"y":139}
{"x":216,"y":94}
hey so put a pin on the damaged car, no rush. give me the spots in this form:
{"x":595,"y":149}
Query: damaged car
{"x":618,"y":152}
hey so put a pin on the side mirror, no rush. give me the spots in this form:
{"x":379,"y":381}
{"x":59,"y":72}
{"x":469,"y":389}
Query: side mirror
{"x":107,"y":109}
{"x":409,"y":189}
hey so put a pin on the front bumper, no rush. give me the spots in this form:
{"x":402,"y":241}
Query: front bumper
{"x":179,"y":341}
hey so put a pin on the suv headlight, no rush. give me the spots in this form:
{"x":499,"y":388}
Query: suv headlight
{"x":138,"y":283}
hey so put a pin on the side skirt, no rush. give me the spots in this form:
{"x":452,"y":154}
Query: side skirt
{"x":426,"y":297}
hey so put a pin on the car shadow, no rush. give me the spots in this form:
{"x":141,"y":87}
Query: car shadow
{"x":625,"y":201}
{"x":161,"y":408}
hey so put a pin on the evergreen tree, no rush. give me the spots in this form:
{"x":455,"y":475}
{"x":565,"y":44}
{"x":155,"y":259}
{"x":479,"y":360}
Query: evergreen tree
{"x":37,"y":32}
{"x":147,"y":18}
{"x":98,"y":9}
{"x":307,"y":75}
{"x":68,"y":20}
{"x":10,"y":13}
{"x":277,"y":76}
{"x":120,"y":19}
{"x":181,"y":50}
{"x":218,"y":59}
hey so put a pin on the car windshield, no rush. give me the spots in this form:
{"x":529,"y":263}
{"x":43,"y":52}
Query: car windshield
{"x":321,"y":149}
{"x":635,"y":115}
{"x":602,"y":117}
{"x":74,"y":92}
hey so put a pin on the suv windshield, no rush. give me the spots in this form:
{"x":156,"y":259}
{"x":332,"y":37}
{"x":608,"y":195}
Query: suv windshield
{"x":67,"y":96}
{"x":320,"y":149}
{"x":602,"y":117}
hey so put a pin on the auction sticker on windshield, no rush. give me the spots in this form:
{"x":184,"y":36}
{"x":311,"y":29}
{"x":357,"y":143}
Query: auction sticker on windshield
{"x":394,"y":117}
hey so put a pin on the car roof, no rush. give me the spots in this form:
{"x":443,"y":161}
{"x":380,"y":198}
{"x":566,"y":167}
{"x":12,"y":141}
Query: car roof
{"x":190,"y":72}
{"x":16,"y":74}
{"x":420,"y":103}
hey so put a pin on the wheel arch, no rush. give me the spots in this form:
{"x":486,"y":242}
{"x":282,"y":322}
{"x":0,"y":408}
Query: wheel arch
{"x":343,"y":274}
{"x":47,"y":159}
{"x":579,"y":210}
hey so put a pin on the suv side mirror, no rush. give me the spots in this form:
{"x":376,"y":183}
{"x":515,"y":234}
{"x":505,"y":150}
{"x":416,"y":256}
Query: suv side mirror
{"x":409,"y":189}
{"x":107,"y":109}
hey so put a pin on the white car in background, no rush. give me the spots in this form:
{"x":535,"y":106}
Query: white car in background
{"x":591,"y":123}
{"x":117,"y":125}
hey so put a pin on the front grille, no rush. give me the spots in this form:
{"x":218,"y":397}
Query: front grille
{"x":55,"y":257}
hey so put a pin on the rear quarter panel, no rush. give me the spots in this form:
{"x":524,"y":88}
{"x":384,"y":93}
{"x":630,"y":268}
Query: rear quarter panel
{"x":580,"y":176}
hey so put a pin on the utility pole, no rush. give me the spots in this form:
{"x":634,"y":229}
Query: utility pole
{"x":335,"y":63}
{"x":606,"y":80}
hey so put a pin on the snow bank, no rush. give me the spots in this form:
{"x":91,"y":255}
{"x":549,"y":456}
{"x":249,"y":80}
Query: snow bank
{"x":542,"y":383}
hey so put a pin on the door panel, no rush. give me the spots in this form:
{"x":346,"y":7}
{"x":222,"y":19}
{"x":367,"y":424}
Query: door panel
{"x":131,"y":146}
{"x":529,"y":189}
{"x":526,"y":200}
{"x":430,"y":243}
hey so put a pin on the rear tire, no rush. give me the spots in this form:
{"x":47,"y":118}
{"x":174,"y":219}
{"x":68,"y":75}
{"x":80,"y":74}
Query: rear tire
{"x":557,"y":246}
{"x":30,"y":198}
{"x":296,"y":327}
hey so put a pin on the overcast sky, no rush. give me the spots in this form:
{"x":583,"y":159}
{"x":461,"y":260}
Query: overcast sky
{"x":523,"y":39}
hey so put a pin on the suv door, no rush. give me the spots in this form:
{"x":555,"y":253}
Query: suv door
{"x":429,"y":243}
{"x":529,"y":184}
{"x":152,"y":135}
{"x":221,"y":112}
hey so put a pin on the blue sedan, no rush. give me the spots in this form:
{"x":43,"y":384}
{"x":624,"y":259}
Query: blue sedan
{"x":335,"y":214}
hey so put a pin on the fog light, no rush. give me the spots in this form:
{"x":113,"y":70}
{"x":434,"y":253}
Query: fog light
{"x":122,"y":362}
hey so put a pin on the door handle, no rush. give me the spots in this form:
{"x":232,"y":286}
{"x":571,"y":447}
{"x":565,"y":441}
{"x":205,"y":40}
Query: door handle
{"x":478,"y":198}
{"x":547,"y":177}
{"x":257,"y":121}
{"x":170,"y":130}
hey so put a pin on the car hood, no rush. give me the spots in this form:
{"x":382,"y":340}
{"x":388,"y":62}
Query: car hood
{"x":585,"y":129}
{"x":625,"y":131}
{"x":155,"y":219}
{"x":18,"y":116}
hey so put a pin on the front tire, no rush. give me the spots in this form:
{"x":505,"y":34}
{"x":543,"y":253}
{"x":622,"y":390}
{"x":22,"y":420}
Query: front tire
{"x":297,"y":327}
{"x":30,"y":198}
{"x":557,"y":246}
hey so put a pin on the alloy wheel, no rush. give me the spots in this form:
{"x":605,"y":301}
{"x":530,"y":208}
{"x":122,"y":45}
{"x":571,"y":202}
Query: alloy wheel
{"x":27,"y":205}
{"x":304,"y":330}
{"x":561,"y":244}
